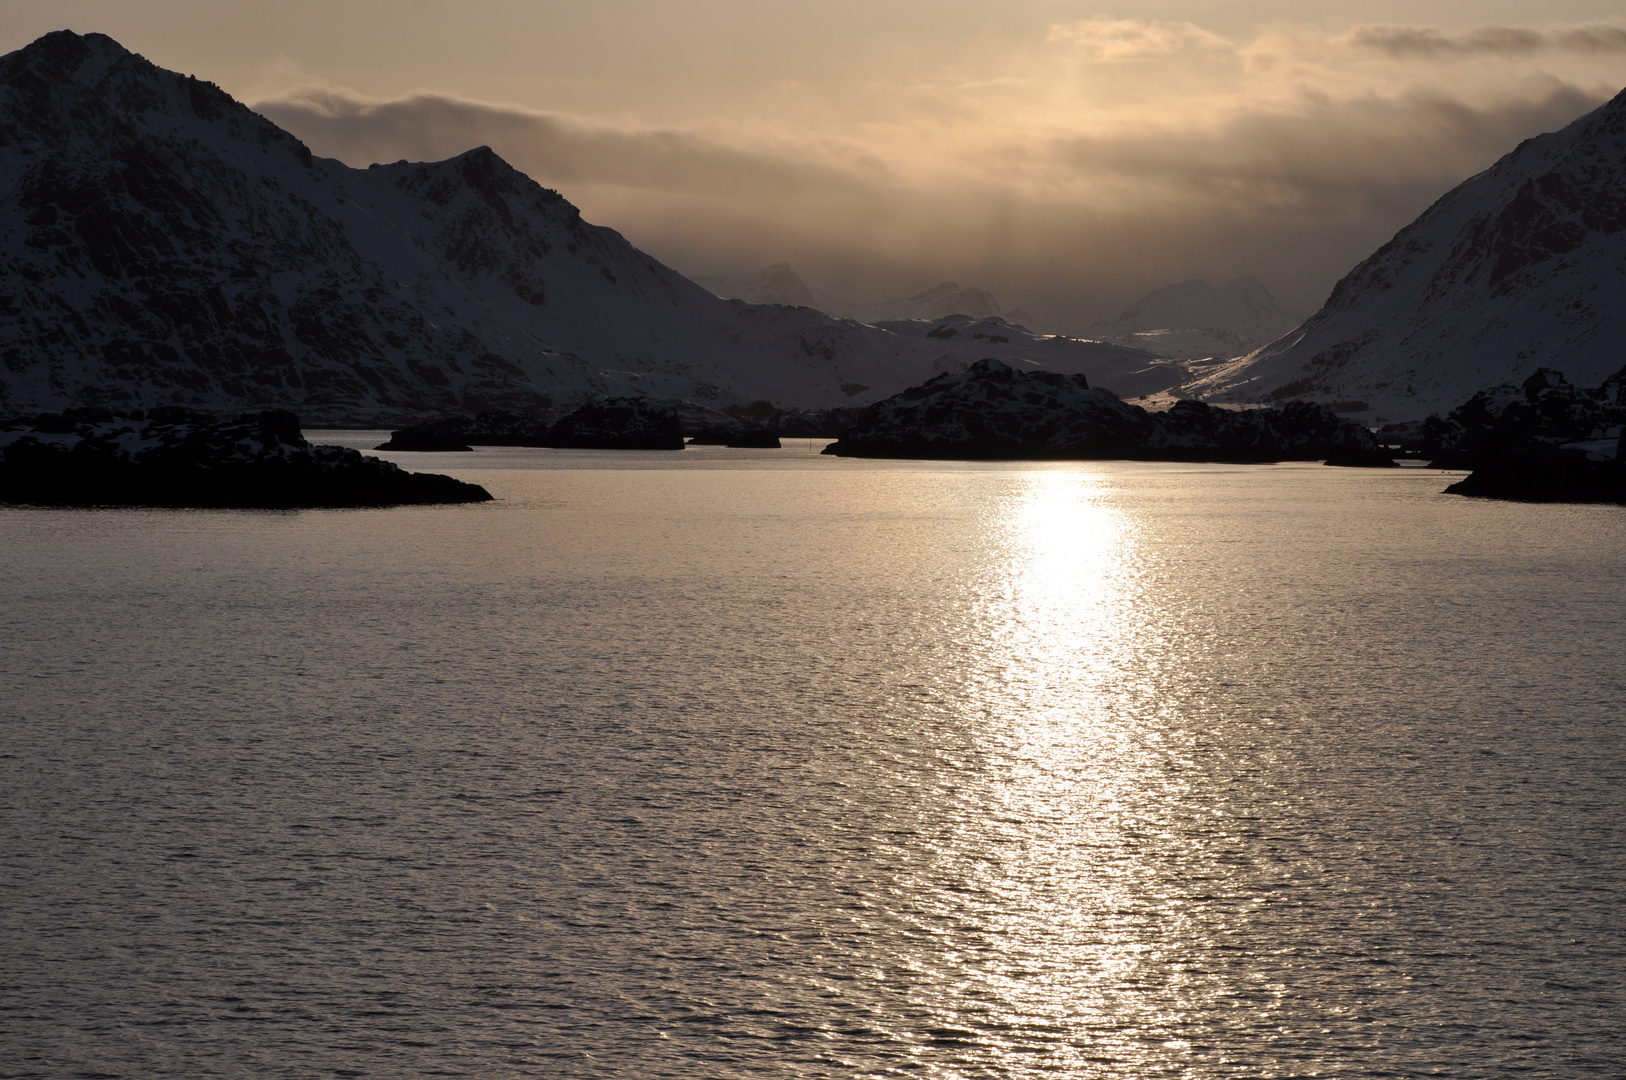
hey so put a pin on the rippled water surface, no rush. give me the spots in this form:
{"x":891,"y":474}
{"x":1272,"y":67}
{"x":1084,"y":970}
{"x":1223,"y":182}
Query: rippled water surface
{"x":735,"y":763}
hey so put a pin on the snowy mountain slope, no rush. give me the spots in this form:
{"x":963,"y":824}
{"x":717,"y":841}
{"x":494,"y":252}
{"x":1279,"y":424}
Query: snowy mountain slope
{"x":1193,"y":319}
{"x":1520,"y":267}
{"x":162,"y":244}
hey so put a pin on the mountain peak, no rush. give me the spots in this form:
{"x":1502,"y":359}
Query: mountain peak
{"x":63,"y":58}
{"x":487,"y":173}
{"x":64,"y":86}
{"x":61,"y":53}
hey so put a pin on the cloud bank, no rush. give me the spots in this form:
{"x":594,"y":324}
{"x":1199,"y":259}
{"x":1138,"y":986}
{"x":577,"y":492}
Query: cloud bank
{"x":1100,"y":160}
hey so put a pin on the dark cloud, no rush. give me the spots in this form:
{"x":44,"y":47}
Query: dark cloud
{"x":555,"y":150}
{"x":1430,"y":42}
{"x":1600,"y":38}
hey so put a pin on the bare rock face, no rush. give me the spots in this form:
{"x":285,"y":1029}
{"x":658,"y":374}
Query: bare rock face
{"x":173,"y":457}
{"x":994,"y":411}
{"x":618,"y":424}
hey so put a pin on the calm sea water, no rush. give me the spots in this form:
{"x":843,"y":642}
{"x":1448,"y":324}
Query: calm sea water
{"x":756,"y":763}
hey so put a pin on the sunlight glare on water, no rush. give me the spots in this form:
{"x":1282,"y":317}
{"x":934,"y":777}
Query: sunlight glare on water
{"x":739,"y":764}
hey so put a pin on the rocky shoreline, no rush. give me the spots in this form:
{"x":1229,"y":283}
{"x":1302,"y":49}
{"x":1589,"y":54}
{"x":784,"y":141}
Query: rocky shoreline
{"x":172,"y":457}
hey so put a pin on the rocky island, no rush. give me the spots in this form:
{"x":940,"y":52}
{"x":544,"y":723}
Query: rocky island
{"x":993,"y":411}
{"x":170,"y":456}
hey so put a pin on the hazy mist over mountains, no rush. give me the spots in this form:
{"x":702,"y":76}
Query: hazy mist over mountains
{"x":1212,"y":210}
{"x":1072,"y":166}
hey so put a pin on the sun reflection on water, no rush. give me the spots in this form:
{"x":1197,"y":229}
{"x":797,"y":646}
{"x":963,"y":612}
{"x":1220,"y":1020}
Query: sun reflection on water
{"x":1062,"y":618}
{"x":1077,"y":920}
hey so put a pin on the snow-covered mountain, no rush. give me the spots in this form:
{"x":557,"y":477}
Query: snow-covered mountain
{"x":1518,"y":268}
{"x":161,"y":244}
{"x":779,"y":284}
{"x":1195,"y":320}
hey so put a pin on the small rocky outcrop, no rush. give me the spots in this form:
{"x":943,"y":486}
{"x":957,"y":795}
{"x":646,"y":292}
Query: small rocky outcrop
{"x":173,"y":457}
{"x":1405,"y":438}
{"x":465,"y":432}
{"x":766,"y":422}
{"x":618,"y":424}
{"x":993,"y":411}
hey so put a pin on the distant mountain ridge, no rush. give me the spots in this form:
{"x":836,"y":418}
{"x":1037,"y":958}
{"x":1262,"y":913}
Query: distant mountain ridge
{"x":161,"y":244}
{"x":1520,"y":267}
{"x":1194,"y":320}
{"x":779,"y":284}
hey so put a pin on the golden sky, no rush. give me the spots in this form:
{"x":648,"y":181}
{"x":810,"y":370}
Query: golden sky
{"x":1066,"y":156}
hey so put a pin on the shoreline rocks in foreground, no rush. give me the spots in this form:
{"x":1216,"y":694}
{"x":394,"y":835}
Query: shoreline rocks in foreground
{"x":995,"y":412}
{"x":172,"y":457}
